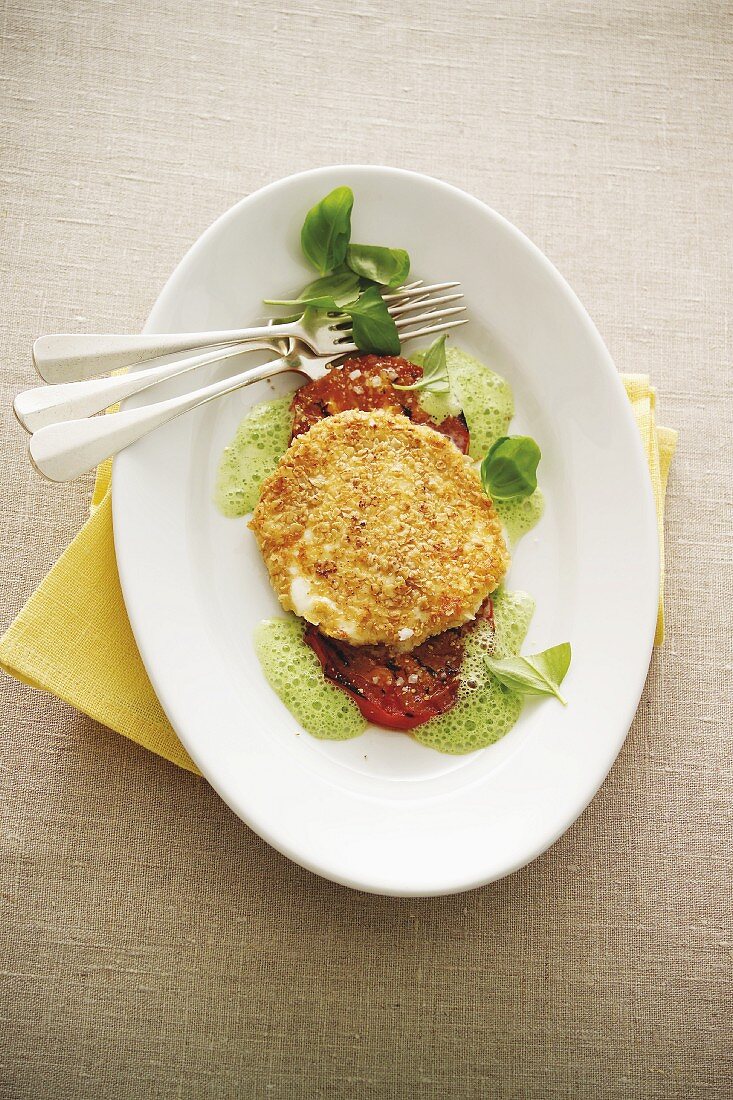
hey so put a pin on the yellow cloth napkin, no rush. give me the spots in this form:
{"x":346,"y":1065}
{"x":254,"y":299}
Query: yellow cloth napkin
{"x":659,"y":444}
{"x":73,"y":637}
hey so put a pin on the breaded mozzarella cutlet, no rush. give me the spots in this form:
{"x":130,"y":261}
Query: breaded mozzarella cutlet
{"x":378,"y":531}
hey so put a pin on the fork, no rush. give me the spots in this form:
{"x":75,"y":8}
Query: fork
{"x":66,"y":450}
{"x":44,"y":405}
{"x":70,"y":357}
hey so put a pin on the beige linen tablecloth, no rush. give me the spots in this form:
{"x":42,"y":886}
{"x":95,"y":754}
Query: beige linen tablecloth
{"x":151,"y":945}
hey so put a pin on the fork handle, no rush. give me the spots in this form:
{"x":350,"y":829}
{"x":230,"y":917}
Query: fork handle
{"x":64,"y":451}
{"x":66,"y":357}
{"x":43,"y":405}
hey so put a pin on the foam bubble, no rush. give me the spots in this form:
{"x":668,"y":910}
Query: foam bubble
{"x":294,"y":672}
{"x":262,"y":439}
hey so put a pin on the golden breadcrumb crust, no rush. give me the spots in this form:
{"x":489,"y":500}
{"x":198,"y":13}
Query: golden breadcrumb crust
{"x":378,"y":530}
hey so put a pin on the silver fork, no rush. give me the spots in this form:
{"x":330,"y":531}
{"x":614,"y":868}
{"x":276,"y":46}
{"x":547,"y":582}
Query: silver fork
{"x":70,"y":357}
{"x":44,"y":405}
{"x":63,"y":451}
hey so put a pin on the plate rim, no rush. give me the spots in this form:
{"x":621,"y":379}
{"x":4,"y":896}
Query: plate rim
{"x":136,"y":613}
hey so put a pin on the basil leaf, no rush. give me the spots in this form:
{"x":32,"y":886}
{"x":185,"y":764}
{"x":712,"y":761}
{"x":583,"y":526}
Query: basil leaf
{"x":373,"y":328}
{"x":540,"y":674}
{"x":342,"y":286}
{"x":434,"y":369}
{"x":509,"y":471}
{"x":333,"y":291}
{"x":326,"y":230}
{"x":387,"y":266}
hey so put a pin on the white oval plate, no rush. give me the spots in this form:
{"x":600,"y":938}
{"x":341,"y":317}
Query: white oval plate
{"x":381,"y":812}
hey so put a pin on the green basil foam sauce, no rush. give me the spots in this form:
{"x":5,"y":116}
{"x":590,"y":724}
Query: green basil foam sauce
{"x":520,"y":516}
{"x":293,"y":671}
{"x":262,"y":439}
{"x":484,"y":710}
{"x":485,"y":398}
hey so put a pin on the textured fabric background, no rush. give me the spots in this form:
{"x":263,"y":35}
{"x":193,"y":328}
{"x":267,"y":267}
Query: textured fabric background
{"x":151,"y":946}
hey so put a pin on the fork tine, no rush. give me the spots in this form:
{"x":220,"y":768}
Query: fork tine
{"x":433,"y":288}
{"x":432,"y":328}
{"x":433,"y":315}
{"x":417,"y":288}
{"x":405,"y":290}
{"x":416,"y":303}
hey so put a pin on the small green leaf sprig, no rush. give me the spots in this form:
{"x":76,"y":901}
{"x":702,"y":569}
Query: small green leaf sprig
{"x":435,"y":377}
{"x":350,"y":275}
{"x":538,"y":674}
